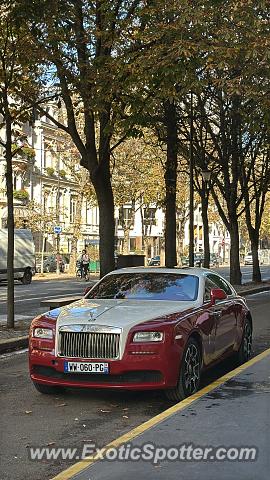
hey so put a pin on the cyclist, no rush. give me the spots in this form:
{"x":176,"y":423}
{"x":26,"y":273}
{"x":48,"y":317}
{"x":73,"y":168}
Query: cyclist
{"x":84,"y":261}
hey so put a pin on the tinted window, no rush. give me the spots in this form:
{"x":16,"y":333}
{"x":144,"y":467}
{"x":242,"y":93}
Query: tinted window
{"x":147,"y":286}
{"x":220,"y":283}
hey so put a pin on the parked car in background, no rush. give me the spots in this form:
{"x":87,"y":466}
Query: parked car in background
{"x":154,"y":261}
{"x":263,"y":255}
{"x":50,"y":263}
{"x":215,"y":260}
{"x":198,"y":259}
{"x":24,"y":255}
{"x":139,"y":329}
{"x":248,"y":260}
{"x":184,"y":261}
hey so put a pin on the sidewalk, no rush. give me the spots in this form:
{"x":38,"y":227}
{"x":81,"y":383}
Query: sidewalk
{"x":231,"y":413}
{"x":60,"y":276}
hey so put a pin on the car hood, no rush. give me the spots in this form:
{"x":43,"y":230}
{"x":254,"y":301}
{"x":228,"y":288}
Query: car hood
{"x":118,"y":313}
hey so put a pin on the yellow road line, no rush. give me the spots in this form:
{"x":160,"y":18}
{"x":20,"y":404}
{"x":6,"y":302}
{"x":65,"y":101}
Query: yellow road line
{"x":135,"y":432}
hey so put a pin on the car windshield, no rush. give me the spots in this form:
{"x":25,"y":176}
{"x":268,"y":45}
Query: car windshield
{"x":147,"y":286}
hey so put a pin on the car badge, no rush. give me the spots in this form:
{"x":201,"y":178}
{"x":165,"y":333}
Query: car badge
{"x":92,"y":318}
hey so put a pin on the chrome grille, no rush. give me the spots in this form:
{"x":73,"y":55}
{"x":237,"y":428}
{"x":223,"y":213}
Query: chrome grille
{"x":88,"y":345}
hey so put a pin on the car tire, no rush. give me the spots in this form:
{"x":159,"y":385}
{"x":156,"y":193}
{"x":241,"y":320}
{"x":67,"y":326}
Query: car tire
{"x":47,"y":389}
{"x":27,"y":277}
{"x":245,"y":351}
{"x":190,"y":373}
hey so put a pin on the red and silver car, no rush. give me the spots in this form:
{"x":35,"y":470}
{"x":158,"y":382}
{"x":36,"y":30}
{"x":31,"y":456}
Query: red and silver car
{"x":141,"y":328}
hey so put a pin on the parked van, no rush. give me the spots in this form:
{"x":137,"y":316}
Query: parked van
{"x":24,"y":255}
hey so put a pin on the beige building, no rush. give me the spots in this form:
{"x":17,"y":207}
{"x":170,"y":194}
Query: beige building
{"x":43,"y":180}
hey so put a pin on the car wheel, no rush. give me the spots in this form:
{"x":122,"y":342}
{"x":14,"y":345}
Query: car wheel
{"x":245,"y":350}
{"x":190,"y":373}
{"x":47,"y":389}
{"x":27,"y":277}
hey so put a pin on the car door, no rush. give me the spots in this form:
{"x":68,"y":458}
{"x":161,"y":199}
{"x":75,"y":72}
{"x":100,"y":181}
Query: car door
{"x":225,"y":318}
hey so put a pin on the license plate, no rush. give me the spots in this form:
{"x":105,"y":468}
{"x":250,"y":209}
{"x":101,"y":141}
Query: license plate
{"x":86,"y":367}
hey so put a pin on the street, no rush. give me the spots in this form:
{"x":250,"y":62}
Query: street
{"x":77,"y":416}
{"x":28,"y":297}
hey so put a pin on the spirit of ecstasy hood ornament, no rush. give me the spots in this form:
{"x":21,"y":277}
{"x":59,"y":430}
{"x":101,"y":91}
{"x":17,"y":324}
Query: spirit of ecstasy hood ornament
{"x":92,"y":316}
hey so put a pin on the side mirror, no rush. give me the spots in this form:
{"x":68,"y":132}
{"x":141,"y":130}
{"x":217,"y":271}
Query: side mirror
{"x":86,"y":290}
{"x":217,"y":294}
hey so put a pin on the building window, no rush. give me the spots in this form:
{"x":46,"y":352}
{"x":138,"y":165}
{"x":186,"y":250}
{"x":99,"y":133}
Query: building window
{"x":149,"y":216}
{"x":126,"y":216}
{"x":73,"y":202}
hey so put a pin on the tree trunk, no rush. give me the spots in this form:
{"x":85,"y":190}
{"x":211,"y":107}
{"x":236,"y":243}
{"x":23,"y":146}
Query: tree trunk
{"x":170,"y":177}
{"x":76,"y":234}
{"x":235,"y":271}
{"x":42,"y":252}
{"x":206,"y":246}
{"x":103,"y":188}
{"x":256,"y":272}
{"x":126,"y":241}
{"x":10,"y":249}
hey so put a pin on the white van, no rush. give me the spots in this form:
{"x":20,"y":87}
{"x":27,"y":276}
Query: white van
{"x":24,"y":255}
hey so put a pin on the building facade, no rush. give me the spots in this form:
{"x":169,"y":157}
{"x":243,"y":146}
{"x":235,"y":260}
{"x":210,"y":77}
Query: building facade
{"x":43,"y":180}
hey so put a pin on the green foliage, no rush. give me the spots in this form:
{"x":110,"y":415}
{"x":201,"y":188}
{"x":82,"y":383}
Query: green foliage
{"x":21,"y":194}
{"x":50,"y":171}
{"x":28,"y":152}
{"x":62,"y":173}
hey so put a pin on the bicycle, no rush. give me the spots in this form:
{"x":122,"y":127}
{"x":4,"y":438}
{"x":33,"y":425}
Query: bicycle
{"x":81,"y":274}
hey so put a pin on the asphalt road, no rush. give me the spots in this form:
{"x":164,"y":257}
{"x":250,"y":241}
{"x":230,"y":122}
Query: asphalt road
{"x":28,"y":297}
{"x":77,"y":416}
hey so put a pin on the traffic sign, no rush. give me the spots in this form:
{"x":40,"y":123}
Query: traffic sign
{"x":57,"y":229}
{"x":92,"y":241}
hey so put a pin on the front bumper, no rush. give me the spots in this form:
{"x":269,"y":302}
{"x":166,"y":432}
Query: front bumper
{"x":133,"y":372}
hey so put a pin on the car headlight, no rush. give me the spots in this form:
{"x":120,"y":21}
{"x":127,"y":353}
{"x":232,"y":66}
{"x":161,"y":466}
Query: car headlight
{"x":43,"y":333}
{"x":148,"y":337}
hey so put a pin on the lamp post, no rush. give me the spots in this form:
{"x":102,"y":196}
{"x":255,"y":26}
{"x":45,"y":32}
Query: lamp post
{"x":58,"y":219}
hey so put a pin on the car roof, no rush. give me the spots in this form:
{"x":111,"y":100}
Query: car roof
{"x":199,"y":272}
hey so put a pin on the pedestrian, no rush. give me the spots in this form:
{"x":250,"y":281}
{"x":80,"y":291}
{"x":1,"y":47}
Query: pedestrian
{"x":85,"y":260}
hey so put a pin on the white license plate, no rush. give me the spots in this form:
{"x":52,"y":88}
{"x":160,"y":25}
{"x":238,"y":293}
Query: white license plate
{"x":86,"y":367}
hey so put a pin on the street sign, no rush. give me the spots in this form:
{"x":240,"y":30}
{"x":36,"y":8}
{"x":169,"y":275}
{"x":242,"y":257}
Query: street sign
{"x":92,"y":241}
{"x":57,"y":229}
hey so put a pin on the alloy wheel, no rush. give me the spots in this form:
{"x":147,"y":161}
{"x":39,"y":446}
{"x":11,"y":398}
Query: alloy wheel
{"x":247,"y":341}
{"x":191,"y":377}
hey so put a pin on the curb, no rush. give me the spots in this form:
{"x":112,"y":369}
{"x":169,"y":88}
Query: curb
{"x":13,"y":343}
{"x":22,"y":342}
{"x":250,"y":291}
